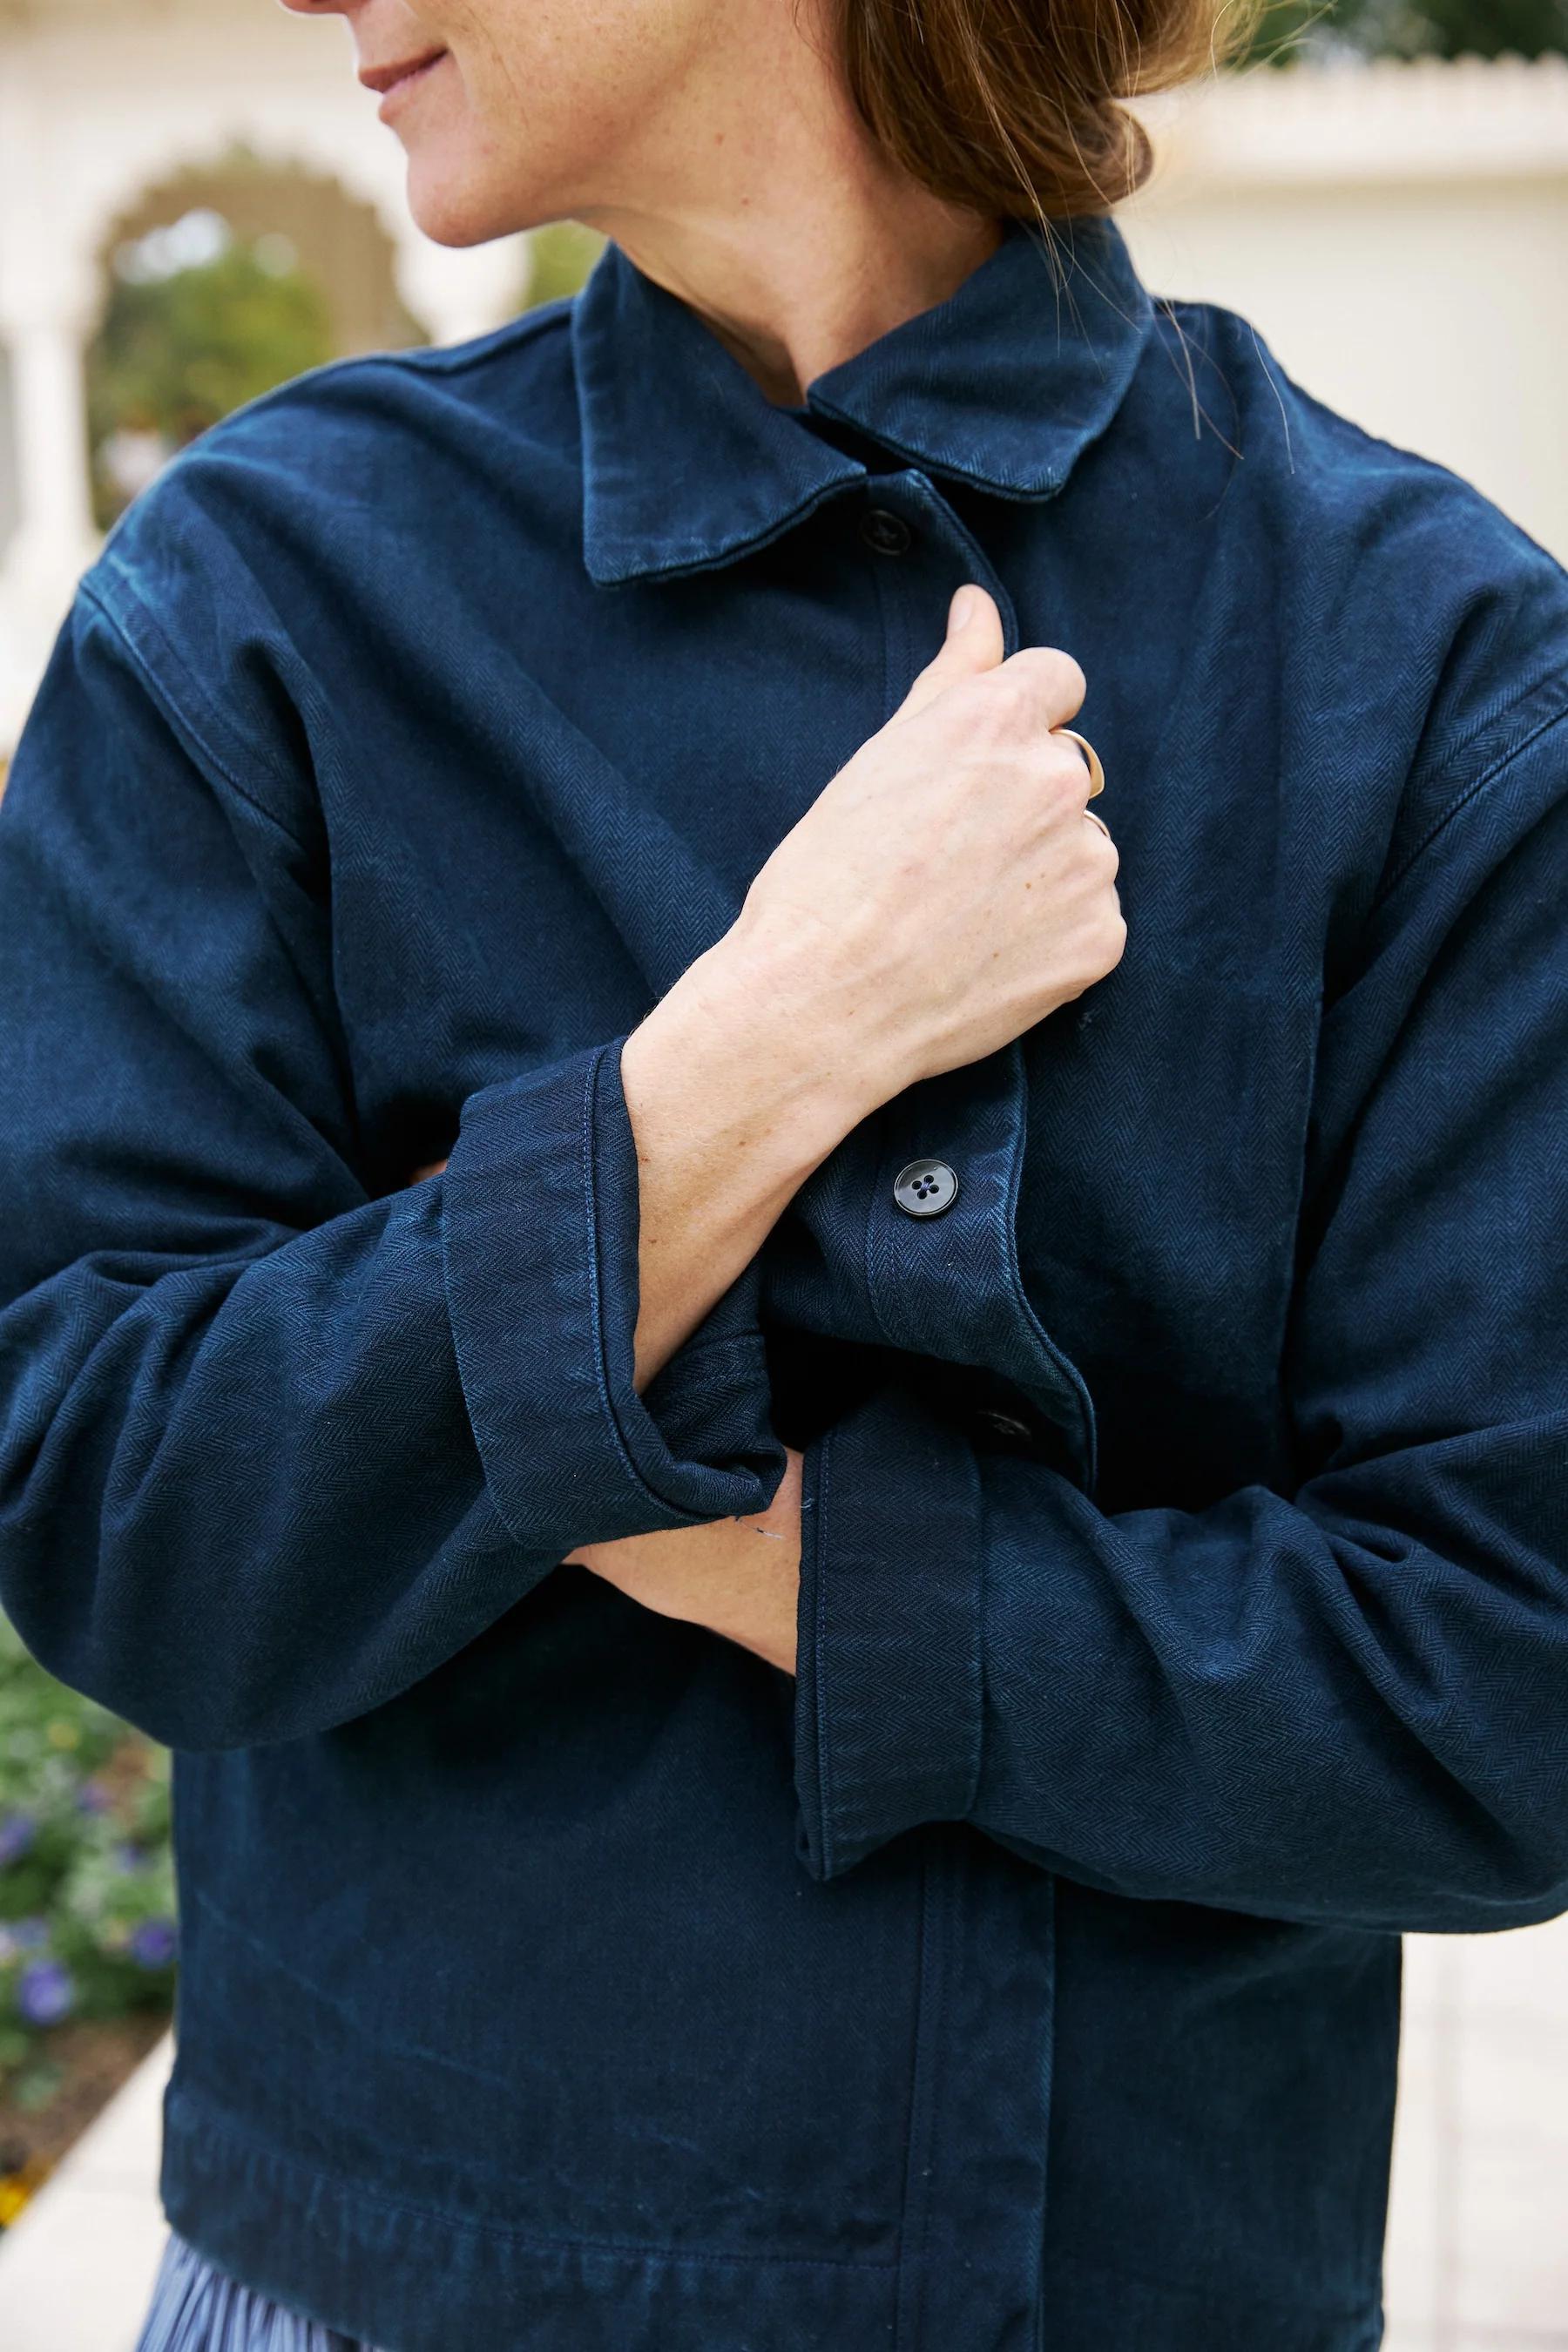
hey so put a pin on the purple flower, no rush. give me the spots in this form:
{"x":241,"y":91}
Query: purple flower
{"x":93,"y":1797}
{"x":15,"y":1837}
{"x":128,"y":1856}
{"x":45,"y":1992}
{"x":152,"y":1945}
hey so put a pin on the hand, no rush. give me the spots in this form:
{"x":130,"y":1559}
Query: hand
{"x":949,"y":888}
{"x":741,"y":1578}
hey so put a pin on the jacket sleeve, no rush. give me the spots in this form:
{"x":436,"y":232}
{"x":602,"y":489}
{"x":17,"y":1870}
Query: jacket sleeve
{"x":1344,"y":1703}
{"x":272,"y":1449}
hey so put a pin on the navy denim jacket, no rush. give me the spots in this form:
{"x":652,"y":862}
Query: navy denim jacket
{"x":1184,"y":1611}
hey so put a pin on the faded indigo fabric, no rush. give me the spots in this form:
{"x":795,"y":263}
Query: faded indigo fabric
{"x":1184,"y":1611}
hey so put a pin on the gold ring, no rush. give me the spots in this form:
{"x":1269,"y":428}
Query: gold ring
{"x":1097,"y":773}
{"x":1099,"y":821}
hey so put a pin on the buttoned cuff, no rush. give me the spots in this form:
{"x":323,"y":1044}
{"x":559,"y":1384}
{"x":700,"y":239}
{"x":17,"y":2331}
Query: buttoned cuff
{"x":539,"y":1224}
{"x":888,"y":1674}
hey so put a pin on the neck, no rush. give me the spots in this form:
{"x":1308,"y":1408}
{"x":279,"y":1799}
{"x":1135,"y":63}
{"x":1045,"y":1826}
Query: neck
{"x":783,"y":224}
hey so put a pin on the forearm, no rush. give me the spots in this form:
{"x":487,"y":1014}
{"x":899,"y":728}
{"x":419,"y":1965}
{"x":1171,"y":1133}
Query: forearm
{"x":735,"y":1095}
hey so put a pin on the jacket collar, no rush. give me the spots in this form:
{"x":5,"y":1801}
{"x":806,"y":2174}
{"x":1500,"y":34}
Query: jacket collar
{"x":686,"y":463}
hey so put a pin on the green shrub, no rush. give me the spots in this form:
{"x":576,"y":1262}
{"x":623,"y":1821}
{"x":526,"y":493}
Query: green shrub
{"x":1410,"y":28}
{"x":87,"y":1887}
{"x":562,"y":253}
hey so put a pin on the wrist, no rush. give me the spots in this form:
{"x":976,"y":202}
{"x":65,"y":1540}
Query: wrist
{"x":736,"y":1036}
{"x":823,"y":1023}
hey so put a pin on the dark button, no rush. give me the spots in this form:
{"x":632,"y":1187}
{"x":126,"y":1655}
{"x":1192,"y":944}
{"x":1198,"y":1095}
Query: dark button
{"x":925,"y":1188}
{"x":888,"y":533}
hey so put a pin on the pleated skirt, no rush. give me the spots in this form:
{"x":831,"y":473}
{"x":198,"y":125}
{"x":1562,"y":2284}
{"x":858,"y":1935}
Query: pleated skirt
{"x":196,"y":2308}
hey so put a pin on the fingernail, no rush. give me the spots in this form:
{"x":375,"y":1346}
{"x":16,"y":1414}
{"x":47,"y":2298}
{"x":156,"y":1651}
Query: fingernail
{"x":961,"y":608}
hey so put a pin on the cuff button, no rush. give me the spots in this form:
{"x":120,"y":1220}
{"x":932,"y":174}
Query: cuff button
{"x":925,"y":1188}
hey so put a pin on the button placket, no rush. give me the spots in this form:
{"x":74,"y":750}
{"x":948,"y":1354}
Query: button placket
{"x":953,"y":1289}
{"x":941,"y":1278}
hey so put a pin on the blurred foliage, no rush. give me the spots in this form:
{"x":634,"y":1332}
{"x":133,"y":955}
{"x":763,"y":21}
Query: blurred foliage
{"x":176,"y":351}
{"x":86,"y":1884}
{"x":564,"y":253}
{"x":183,"y":342}
{"x":1348,"y":29}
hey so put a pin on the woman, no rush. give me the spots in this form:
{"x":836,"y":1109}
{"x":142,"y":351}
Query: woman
{"x":811,"y":1684}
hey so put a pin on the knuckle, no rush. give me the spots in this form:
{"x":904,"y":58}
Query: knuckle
{"x":1011,"y":699}
{"x":1018,"y":680}
{"x":994,"y":712}
{"x":969,"y":701}
{"x":1065,"y":771}
{"x":1053,"y":676}
{"x":1074,"y":765}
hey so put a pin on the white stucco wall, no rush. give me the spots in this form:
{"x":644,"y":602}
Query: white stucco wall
{"x":1399,"y":237}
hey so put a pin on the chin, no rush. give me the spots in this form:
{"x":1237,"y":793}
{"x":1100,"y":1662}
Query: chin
{"x":452,"y":209}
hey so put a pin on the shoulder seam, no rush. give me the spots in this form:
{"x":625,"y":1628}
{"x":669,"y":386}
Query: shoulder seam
{"x":196,"y":737}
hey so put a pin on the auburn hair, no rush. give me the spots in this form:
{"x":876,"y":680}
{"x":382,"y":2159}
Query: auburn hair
{"x":1014,"y":107}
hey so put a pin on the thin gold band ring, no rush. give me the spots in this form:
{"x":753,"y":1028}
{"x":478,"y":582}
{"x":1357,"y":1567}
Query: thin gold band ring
{"x":1097,"y":773}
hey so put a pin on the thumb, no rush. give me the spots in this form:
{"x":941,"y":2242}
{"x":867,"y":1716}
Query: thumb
{"x":974,"y":642}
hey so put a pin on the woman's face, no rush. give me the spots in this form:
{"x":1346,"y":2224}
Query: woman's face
{"x":548,"y":110}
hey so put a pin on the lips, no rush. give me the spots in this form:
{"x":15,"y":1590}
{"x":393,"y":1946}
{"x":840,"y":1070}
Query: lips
{"x":384,"y":77}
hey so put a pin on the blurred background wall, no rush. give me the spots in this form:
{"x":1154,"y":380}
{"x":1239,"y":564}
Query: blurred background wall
{"x":196,"y":200}
{"x":1398,"y":233}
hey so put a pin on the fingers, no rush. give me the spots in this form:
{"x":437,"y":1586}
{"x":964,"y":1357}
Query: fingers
{"x":1048,"y":681}
{"x":974,"y":643}
{"x":1090,"y":757}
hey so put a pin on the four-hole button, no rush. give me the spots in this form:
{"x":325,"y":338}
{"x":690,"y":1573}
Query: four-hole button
{"x":925,"y":1188}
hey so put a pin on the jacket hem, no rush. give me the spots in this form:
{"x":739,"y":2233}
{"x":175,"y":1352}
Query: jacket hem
{"x":409,"y":2279}
{"x":1094,"y":2306}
